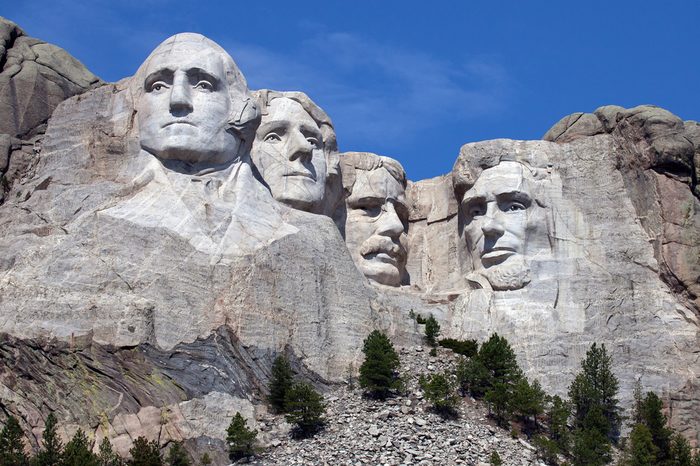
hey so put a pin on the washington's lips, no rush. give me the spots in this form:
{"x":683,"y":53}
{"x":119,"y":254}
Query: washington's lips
{"x":178,"y":122}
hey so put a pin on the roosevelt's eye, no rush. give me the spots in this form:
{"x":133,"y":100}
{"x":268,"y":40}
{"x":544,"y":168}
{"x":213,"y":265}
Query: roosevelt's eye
{"x":204,"y":86}
{"x":157,"y":86}
{"x":272,"y":137}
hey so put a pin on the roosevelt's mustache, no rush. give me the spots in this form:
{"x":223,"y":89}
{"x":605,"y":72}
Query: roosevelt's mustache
{"x":377,"y":244}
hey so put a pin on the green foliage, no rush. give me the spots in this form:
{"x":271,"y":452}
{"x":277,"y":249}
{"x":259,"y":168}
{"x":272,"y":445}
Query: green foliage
{"x":145,"y":453}
{"x":681,"y":453}
{"x":464,"y":347}
{"x":495,"y":459}
{"x":379,"y":371}
{"x":528,"y":400}
{"x":595,"y":389}
{"x":51,"y":452}
{"x":205,"y":460}
{"x":499,"y":360}
{"x":651,"y":415}
{"x":420,"y":319}
{"x":473,"y":377}
{"x":177,"y":455}
{"x":432,"y":330}
{"x":642,"y":451}
{"x":12,"y":444}
{"x":240,"y":439}
{"x":107,"y":456}
{"x":547,"y":449}
{"x":305,"y":409}
{"x":78,"y":452}
{"x":558,"y":414}
{"x":498,"y":399}
{"x":280,"y":382}
{"x":591,"y":448}
{"x":439,"y":390}
{"x":433,"y":352}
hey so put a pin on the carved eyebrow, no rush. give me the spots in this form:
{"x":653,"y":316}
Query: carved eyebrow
{"x":158,"y":75}
{"x":311,"y":130}
{"x":366,"y":200}
{"x":273,"y":124}
{"x":199,"y":73}
{"x":469,"y":200}
{"x":515,"y":194}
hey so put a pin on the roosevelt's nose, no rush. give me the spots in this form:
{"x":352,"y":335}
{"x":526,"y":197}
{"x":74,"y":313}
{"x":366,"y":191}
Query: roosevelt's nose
{"x":389,"y":222}
{"x":298,"y":146}
{"x":180,"y":94}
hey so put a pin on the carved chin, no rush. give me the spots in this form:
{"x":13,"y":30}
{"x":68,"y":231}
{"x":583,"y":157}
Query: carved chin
{"x":512,"y":275}
{"x":381,"y":272}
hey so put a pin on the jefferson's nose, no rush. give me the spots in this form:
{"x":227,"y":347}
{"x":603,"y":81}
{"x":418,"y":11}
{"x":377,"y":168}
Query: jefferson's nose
{"x":180,"y":96}
{"x":389,"y":223}
{"x":298,"y":146}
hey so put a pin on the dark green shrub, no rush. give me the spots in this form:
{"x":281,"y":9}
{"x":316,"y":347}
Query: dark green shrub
{"x":78,"y":453}
{"x":379,"y":371}
{"x":280,"y":381}
{"x":240,"y":439}
{"x":464,"y":347}
{"x":305,"y":409}
{"x":51,"y":452}
{"x":12,"y":444}
{"x":145,"y":453}
{"x":432,"y":330}
{"x":438,"y":389}
{"x":177,"y":455}
{"x":107,"y":456}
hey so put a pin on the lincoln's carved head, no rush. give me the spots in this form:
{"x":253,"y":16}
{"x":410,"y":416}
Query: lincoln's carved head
{"x":376,"y":215}
{"x":295,"y":150}
{"x":192,"y":102}
{"x":504,"y":219}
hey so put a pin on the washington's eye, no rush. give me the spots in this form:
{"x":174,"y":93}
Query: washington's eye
{"x":158,"y":86}
{"x":204,"y":86}
{"x":272,"y":137}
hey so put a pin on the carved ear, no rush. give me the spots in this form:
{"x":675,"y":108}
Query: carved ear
{"x":245,"y":119}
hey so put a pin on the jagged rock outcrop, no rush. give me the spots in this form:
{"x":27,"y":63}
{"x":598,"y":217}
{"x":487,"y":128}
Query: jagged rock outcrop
{"x":34,"y":78}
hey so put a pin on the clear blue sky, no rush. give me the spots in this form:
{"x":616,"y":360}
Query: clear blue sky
{"x":412,"y":80}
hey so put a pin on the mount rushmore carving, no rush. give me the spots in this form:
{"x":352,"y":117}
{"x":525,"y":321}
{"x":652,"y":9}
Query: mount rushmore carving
{"x":180,"y":213}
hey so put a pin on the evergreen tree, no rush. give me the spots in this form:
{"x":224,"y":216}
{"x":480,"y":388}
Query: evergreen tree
{"x":432,"y":330}
{"x":642,"y":451}
{"x":473,"y":377}
{"x":528,"y":400}
{"x":498,"y":398}
{"x":591,"y":446}
{"x":107,"y":456}
{"x":205,"y":460}
{"x":177,"y":455}
{"x":379,"y":371}
{"x":240,"y":439}
{"x":681,"y":453}
{"x":558,"y":415}
{"x":51,"y":452}
{"x":498,"y":358}
{"x":495,"y":459}
{"x":438,"y":389}
{"x":12,"y":444}
{"x":305,"y":408}
{"x":653,"y":418}
{"x":280,"y":382}
{"x":595,"y":388}
{"x":78,"y":452}
{"x":145,"y":453}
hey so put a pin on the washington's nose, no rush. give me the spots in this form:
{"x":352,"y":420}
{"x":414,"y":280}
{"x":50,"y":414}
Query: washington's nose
{"x":180,"y":96}
{"x":298,"y":146}
{"x":389,"y":223}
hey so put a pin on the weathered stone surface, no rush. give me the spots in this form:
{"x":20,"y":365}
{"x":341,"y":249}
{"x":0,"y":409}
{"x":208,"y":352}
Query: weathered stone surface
{"x":34,"y":78}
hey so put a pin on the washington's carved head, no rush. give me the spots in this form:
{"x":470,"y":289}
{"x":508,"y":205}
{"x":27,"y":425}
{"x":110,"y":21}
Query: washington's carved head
{"x":504,"y":219}
{"x":376,"y":215}
{"x":192,"y":102}
{"x":295,"y":150}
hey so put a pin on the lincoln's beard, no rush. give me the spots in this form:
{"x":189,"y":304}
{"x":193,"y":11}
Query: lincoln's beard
{"x":513,"y":274}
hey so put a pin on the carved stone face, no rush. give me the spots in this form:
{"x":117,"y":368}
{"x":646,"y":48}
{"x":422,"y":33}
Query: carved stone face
{"x":183,"y":112}
{"x":503,"y":225}
{"x":375,"y":226}
{"x":288,"y":153}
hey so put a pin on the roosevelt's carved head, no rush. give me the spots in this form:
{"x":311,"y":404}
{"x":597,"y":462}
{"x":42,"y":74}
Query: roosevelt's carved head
{"x":376,"y":215}
{"x":295,"y":150}
{"x":503,"y":216}
{"x":192,"y":102}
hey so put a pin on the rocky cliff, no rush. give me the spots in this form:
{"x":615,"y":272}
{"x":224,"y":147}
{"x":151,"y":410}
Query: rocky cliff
{"x":150,"y":272}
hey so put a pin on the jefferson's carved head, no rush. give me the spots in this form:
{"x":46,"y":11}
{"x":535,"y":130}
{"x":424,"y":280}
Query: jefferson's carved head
{"x":505,"y":223}
{"x":376,"y":215}
{"x":192,"y":102}
{"x":295,"y":150}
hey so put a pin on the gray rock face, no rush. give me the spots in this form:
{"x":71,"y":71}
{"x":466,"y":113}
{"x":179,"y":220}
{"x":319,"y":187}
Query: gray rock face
{"x":157,"y":275}
{"x":34,"y":78}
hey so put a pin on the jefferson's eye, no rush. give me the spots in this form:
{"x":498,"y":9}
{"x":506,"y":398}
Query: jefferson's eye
{"x":272,"y":137}
{"x":369,"y":210}
{"x":314,"y":142}
{"x":158,"y":86}
{"x":204,"y":86}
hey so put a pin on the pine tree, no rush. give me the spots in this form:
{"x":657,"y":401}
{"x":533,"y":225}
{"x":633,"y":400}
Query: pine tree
{"x":145,"y":453}
{"x":498,"y":398}
{"x":498,"y":358}
{"x":528,"y":400}
{"x":432,"y":330}
{"x":51,"y":452}
{"x":653,"y":418}
{"x":107,"y":456}
{"x":177,"y":455}
{"x":681,"y":453}
{"x":438,"y":389}
{"x":642,"y":451}
{"x":595,"y":388}
{"x":205,"y":460}
{"x":305,"y":408}
{"x":240,"y":439}
{"x":495,"y":459}
{"x":591,"y":445}
{"x":557,"y":418}
{"x":12,"y":444}
{"x":473,"y":377}
{"x":78,"y":452}
{"x":280,"y":382}
{"x":379,"y":371}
